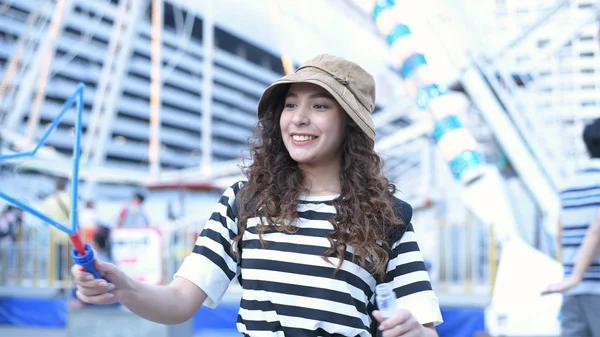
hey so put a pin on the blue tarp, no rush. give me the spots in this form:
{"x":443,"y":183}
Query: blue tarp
{"x":223,"y":317}
{"x":458,"y":321}
{"x":33,"y":311}
{"x":461,"y":322}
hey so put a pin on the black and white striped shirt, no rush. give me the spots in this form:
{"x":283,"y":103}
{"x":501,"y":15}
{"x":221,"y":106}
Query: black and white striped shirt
{"x":580,"y":200}
{"x":288,"y":289}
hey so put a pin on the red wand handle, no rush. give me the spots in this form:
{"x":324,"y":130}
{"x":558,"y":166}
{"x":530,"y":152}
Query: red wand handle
{"x":77,"y":243}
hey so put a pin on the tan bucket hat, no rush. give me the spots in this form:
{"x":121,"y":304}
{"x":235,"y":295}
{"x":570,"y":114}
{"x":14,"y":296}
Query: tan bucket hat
{"x":349,"y":84}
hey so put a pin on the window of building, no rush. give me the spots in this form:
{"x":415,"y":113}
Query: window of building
{"x":241,"y":51}
{"x":72,"y":31}
{"x":169,"y":16}
{"x":266,"y":62}
{"x":543,"y":43}
{"x":585,"y":104}
{"x":567,"y":71}
{"x":567,"y":86}
{"x":198,"y":30}
{"x":522,"y":11}
{"x":17,"y":13}
{"x":544,"y":104}
{"x":79,"y":10}
{"x":232,"y":44}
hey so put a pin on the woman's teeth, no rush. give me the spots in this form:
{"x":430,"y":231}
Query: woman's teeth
{"x":303,"y":138}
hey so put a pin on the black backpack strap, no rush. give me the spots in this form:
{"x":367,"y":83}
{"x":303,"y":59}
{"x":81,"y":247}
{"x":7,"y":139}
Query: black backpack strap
{"x":404,"y":212}
{"x":235,"y":208}
{"x":238,"y":207}
{"x":62,"y":206}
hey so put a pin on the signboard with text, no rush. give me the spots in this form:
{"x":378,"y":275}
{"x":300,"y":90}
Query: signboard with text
{"x":138,"y":252}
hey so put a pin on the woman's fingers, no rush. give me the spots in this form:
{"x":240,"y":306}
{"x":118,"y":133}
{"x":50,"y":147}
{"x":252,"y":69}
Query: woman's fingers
{"x":94,"y":283}
{"x":90,"y":287}
{"x":80,"y":276}
{"x":95,"y":287}
{"x":105,"y":298}
{"x":92,"y":290}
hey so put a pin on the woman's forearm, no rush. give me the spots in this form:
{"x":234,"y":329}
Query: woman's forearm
{"x":171,"y":304}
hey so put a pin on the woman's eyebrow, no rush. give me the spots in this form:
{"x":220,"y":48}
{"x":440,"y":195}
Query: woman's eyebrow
{"x":315,"y":95}
{"x":321,"y":95}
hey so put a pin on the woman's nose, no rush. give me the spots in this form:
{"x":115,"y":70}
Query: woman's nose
{"x":300,"y":116}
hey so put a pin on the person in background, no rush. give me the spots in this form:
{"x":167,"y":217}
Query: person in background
{"x":19,"y":222}
{"x":579,"y":234}
{"x":9,"y":223}
{"x":133,"y":215}
{"x":58,"y":207}
{"x":102,"y":244}
{"x":87,"y":215}
{"x":88,"y":221}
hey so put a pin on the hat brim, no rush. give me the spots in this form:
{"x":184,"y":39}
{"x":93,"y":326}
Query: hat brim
{"x":337,"y":90}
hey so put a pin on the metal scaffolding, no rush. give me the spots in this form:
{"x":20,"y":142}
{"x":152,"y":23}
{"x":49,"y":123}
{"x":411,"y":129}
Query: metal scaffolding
{"x":399,"y":121}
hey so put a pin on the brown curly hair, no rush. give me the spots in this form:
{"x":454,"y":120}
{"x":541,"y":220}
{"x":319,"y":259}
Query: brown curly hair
{"x":365,"y":213}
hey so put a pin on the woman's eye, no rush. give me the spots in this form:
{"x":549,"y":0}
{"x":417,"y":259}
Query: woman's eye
{"x":290,"y":105}
{"x":320,"y":106}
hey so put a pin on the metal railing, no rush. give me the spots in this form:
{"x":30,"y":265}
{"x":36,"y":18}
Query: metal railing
{"x":462,"y":258}
{"x":34,"y":260}
{"x":462,"y":253}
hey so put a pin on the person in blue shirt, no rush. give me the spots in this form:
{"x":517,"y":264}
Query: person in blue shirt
{"x":579,"y":235}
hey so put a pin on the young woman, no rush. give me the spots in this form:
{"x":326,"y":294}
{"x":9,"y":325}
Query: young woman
{"x":310,"y":234}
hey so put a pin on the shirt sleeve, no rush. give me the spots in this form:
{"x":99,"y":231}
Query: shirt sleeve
{"x":210,"y":265}
{"x":410,"y":280}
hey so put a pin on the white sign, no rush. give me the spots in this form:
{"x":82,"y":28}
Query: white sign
{"x":138,"y":251}
{"x":517,"y":307}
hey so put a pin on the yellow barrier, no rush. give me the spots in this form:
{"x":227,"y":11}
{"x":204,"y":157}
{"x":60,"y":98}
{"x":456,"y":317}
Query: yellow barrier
{"x":493,"y":257}
{"x":32,"y":261}
{"x":51,"y":259}
{"x":179,"y":243}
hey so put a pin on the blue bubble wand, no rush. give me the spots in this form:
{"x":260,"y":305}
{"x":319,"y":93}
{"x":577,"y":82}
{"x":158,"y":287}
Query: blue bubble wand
{"x":81,"y":253}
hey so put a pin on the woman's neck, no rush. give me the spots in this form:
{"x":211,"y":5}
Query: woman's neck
{"x":322,"y":180}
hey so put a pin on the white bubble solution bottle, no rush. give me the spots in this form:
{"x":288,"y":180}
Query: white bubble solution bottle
{"x":386,"y":300}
